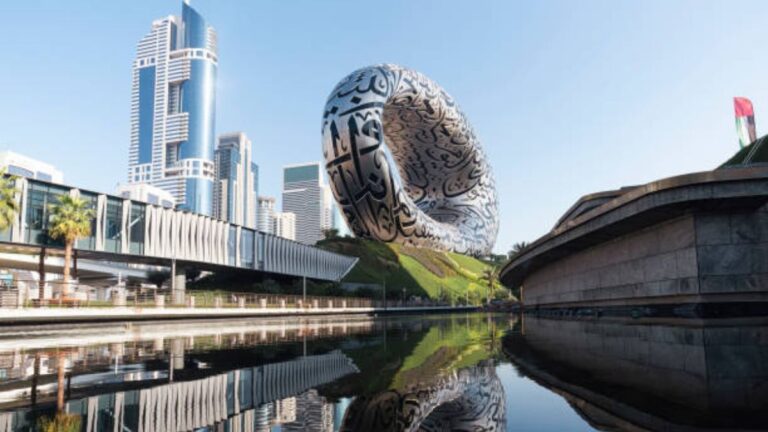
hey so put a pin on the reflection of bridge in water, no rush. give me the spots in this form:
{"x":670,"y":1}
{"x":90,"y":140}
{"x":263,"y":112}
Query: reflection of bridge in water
{"x":117,"y":366}
{"x":248,"y":332}
{"x":247,"y":399}
{"x":232,"y":397}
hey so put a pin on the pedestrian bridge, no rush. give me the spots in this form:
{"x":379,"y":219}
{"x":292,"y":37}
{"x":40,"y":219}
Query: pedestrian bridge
{"x":136,"y":232}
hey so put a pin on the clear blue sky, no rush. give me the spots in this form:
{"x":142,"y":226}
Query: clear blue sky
{"x":567,"y":97}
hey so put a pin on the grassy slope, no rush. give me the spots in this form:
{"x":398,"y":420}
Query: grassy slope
{"x":420,"y":271}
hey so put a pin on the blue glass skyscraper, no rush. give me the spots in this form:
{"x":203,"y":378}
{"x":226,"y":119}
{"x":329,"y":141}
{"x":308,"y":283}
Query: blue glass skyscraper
{"x":173,"y":108}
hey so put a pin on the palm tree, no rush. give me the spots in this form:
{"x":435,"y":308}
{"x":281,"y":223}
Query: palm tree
{"x":70,"y":221}
{"x":490,"y":276}
{"x":517,"y":248}
{"x":9,"y":207}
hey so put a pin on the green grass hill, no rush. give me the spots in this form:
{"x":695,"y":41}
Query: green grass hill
{"x":422,"y":272}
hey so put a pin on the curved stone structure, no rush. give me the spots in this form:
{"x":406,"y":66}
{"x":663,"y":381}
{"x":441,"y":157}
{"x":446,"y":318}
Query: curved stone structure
{"x":680,"y":246}
{"x":405,"y":165}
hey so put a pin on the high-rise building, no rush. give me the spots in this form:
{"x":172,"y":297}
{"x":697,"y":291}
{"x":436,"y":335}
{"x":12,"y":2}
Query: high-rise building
{"x":266,"y":214}
{"x":305,"y":195}
{"x":173,"y":109}
{"x":285,"y":410}
{"x":284,"y":225}
{"x":338,"y":222}
{"x":327,"y":205}
{"x":23,"y":166}
{"x":236,"y":187}
{"x":313,"y":412}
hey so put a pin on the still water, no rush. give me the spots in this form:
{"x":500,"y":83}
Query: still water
{"x":473,"y":372}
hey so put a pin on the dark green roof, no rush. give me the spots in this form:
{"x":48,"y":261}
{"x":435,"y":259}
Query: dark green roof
{"x":755,"y":153}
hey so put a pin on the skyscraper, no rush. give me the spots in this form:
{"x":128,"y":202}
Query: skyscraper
{"x":266,"y":214}
{"x":237,"y":183}
{"x":173,"y":109}
{"x":284,"y":225}
{"x":305,"y":195}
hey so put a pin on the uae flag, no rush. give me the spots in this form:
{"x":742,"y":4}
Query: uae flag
{"x":745,"y":121}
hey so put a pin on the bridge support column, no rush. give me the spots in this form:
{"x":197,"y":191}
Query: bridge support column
{"x":176,"y":356}
{"x":41,"y":273}
{"x":178,"y":284}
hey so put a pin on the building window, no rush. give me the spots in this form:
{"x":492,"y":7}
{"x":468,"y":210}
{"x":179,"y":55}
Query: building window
{"x":114,"y":219}
{"x":246,"y":248}
{"x":19,"y":171}
{"x":232,"y":246}
{"x":136,"y":228}
{"x":90,"y":241}
{"x":40,"y":197}
{"x":44,"y":176}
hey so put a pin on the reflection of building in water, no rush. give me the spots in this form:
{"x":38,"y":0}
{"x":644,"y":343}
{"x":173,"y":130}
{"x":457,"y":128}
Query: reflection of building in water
{"x":223,"y":398}
{"x":468,"y":399}
{"x":313,"y":413}
{"x":111,"y":370}
{"x":656,"y":377}
{"x":285,"y":410}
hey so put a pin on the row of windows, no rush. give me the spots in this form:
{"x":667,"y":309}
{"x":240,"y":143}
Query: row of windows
{"x":198,"y":54}
{"x":147,"y":62}
{"x":42,"y":197}
{"x":24,"y":172}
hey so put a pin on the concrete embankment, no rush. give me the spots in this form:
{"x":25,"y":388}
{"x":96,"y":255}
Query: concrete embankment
{"x":55,"y":315}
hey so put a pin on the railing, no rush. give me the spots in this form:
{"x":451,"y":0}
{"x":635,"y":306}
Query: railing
{"x":22,"y":294}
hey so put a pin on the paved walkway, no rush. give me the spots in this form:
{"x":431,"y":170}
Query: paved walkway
{"x":53,"y":315}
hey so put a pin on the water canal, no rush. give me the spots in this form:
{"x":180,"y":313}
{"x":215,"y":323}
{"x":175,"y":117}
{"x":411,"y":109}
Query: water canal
{"x":427,"y":372}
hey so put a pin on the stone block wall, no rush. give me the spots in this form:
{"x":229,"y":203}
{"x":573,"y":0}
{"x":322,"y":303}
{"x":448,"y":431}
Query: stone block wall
{"x":733,"y":252}
{"x":711,"y":368}
{"x":661,"y":361}
{"x":657,"y":261}
{"x":715,"y":256}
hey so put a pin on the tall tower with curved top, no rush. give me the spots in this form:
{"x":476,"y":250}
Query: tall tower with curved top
{"x":173,"y":107}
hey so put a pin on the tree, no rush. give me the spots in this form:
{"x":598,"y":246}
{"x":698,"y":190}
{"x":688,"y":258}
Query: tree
{"x":70,"y":221}
{"x":330,"y":233}
{"x":9,"y":207}
{"x":517,"y":248}
{"x":490,"y":275}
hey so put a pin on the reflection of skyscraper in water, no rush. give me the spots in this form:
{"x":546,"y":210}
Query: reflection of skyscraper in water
{"x":339,"y":408}
{"x":262,"y":419}
{"x":285,"y":410}
{"x":313,"y":413}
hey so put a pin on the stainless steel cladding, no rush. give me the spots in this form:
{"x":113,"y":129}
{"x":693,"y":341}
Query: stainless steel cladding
{"x":405,"y":165}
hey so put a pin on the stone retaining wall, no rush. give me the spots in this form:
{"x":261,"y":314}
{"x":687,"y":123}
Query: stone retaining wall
{"x":678,"y":261}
